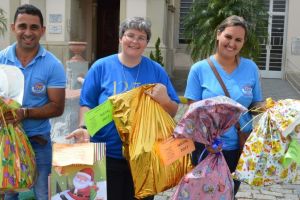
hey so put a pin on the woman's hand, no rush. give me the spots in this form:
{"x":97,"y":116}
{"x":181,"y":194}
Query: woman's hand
{"x":80,"y":135}
{"x":159,"y":94}
{"x":211,"y":149}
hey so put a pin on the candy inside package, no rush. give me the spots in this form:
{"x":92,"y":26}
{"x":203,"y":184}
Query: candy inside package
{"x":17,"y":164}
{"x":272,"y":150}
{"x":204,"y":122}
{"x":141,"y":123}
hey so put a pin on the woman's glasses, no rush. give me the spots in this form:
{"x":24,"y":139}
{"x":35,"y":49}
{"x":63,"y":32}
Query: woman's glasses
{"x":132,"y":37}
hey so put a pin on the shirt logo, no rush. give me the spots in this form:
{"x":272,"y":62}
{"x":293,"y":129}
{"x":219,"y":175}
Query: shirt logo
{"x":123,"y":86}
{"x":247,"y":90}
{"x":38,"y":88}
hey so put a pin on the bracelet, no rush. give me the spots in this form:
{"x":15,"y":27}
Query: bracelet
{"x":82,"y":127}
{"x":25,"y":112}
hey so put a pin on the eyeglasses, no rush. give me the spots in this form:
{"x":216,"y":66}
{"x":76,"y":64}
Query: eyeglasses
{"x":132,"y":37}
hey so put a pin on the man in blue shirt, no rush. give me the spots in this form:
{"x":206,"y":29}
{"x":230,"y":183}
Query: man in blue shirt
{"x":44,"y":90}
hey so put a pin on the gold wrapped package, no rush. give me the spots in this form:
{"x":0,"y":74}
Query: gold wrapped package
{"x":142,"y":123}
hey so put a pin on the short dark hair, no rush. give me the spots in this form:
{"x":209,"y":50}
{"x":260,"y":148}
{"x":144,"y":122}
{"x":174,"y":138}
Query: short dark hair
{"x":31,"y":10}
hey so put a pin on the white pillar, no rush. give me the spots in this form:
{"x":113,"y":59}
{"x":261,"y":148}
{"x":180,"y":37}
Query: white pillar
{"x":136,"y":8}
{"x":56,"y":20}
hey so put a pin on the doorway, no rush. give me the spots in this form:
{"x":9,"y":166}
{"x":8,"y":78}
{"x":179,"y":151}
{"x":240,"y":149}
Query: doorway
{"x":271,"y":61}
{"x":108,"y":19}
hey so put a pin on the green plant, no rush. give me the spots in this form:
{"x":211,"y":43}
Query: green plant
{"x":157,"y":56}
{"x":205,"y":15}
{"x":3,"y":22}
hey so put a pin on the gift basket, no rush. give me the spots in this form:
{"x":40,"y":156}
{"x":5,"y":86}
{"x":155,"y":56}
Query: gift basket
{"x":204,"y":122}
{"x":17,"y":164}
{"x":272,"y":151}
{"x":142,"y":123}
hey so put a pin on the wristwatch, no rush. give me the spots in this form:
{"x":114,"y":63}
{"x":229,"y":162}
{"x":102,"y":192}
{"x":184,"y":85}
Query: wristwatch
{"x":82,"y":126}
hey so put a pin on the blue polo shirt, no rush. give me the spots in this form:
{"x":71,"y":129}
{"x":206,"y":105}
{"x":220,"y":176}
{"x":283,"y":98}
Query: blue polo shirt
{"x":243,"y":85}
{"x":44,"y":71}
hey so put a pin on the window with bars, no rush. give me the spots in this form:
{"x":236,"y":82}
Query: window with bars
{"x":185,"y":6}
{"x":271,"y":55}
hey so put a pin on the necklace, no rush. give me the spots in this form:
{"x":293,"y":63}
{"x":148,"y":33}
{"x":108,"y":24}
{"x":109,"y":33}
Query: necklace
{"x":136,"y":78}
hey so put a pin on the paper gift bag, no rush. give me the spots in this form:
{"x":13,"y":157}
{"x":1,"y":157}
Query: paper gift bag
{"x":78,"y":172}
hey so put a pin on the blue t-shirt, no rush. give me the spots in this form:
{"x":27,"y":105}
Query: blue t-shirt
{"x":243,"y":85}
{"x":108,"y":77}
{"x":44,"y":71}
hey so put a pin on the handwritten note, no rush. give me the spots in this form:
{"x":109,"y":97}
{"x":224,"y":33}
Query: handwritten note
{"x":82,"y":153}
{"x":173,"y":149}
{"x":98,"y":117}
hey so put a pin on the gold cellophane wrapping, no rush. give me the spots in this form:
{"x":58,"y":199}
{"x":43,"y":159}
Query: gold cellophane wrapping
{"x":141,"y":122}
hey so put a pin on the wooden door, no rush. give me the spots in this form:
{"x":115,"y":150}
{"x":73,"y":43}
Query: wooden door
{"x":107,"y":27}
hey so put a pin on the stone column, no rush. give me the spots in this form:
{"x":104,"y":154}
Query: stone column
{"x":77,"y":66}
{"x":68,"y":122}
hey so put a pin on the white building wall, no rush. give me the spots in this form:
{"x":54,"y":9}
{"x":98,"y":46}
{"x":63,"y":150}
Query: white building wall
{"x":56,"y":20}
{"x":136,"y":8}
{"x":293,"y":33}
{"x":182,"y":60}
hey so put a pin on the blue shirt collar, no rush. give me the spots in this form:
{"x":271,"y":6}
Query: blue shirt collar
{"x":11,"y":53}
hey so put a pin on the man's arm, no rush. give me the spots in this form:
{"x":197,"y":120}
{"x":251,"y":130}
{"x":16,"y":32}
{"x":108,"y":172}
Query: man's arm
{"x":54,"y":108}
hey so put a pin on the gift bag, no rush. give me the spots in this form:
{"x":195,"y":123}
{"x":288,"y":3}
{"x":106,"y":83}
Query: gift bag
{"x":78,"y":172}
{"x":261,"y":162}
{"x":142,"y":123}
{"x":210,"y":179}
{"x":17,"y":164}
{"x":204,"y":122}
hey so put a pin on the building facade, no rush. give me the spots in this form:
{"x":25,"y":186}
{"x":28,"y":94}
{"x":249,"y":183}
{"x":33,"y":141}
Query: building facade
{"x":96,"y":22}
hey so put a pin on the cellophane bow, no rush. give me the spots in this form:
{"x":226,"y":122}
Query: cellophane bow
{"x":17,"y":164}
{"x":204,"y":122}
{"x":272,"y":141}
{"x":141,"y":123}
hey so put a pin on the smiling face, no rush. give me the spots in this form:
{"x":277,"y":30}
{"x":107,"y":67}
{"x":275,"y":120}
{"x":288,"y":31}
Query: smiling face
{"x":133,"y":43}
{"x":28,"y":31}
{"x":230,"y":41}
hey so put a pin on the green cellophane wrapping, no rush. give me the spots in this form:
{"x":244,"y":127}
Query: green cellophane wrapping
{"x":17,"y":164}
